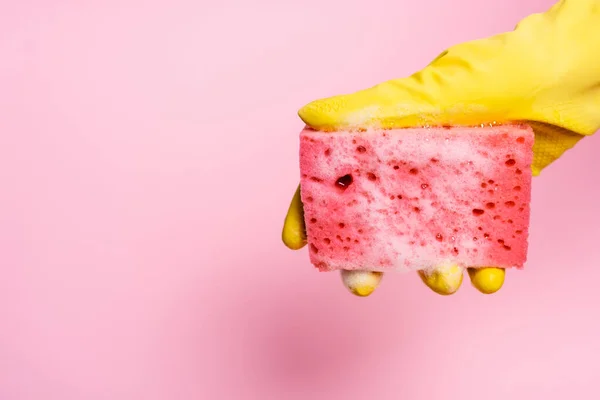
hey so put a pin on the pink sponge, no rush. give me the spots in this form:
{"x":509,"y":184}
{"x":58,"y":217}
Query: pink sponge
{"x":411,"y":199}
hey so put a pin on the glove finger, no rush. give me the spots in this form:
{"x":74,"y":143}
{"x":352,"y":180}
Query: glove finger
{"x":400,"y":103}
{"x":443,"y":280}
{"x":361,"y":283}
{"x":487,"y":280}
{"x":294,"y":229}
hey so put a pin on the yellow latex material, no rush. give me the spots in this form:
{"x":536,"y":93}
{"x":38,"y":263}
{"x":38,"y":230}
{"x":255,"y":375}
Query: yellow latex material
{"x":361,"y":283}
{"x":487,"y":280}
{"x":444,"y":281}
{"x":546,"y":72}
{"x":294,"y":230}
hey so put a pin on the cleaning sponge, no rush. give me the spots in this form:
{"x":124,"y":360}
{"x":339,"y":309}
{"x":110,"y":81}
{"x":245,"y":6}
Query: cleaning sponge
{"x":417,"y":199}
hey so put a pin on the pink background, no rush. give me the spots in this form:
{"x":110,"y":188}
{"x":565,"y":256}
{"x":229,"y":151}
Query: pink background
{"x":148,"y":152}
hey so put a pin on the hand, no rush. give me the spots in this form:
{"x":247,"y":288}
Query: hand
{"x":545,"y":73}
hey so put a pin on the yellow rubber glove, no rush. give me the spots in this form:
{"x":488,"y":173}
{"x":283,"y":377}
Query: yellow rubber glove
{"x":546,"y":73}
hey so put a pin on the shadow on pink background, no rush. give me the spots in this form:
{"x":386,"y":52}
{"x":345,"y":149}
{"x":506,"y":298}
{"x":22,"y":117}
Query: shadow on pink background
{"x":148,"y":153}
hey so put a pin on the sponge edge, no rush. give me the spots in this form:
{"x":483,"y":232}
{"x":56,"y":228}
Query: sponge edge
{"x":417,"y":199}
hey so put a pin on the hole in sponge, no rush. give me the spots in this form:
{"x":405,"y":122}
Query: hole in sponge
{"x":344,"y":181}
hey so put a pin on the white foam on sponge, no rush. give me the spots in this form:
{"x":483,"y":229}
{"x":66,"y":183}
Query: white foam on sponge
{"x":408,"y":186}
